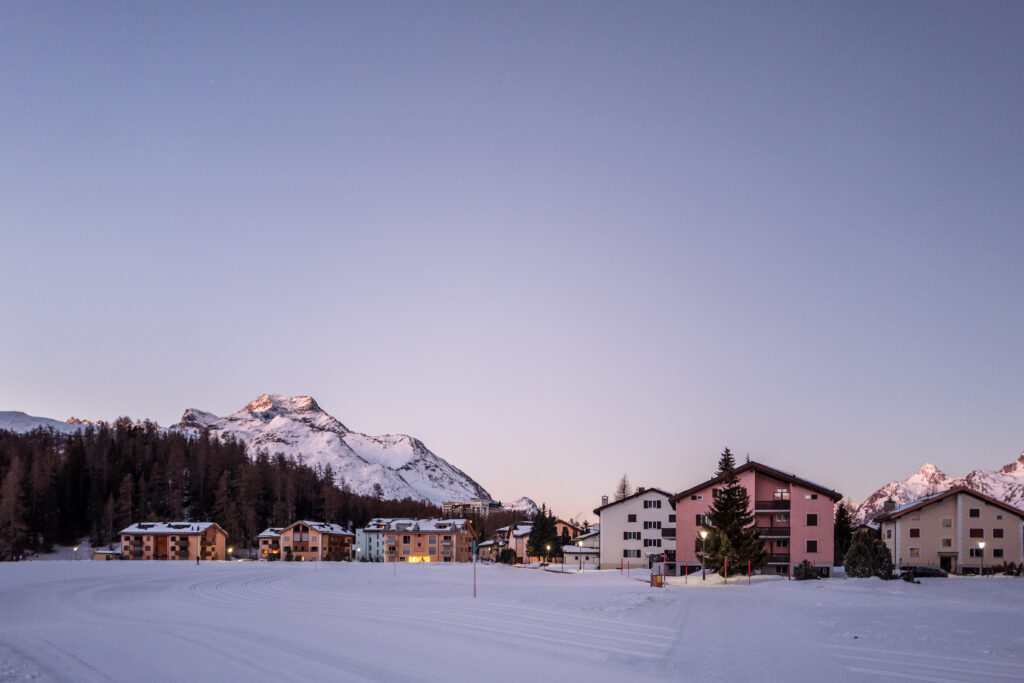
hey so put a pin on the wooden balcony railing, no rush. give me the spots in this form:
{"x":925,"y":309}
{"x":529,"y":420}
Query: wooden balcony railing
{"x":771,"y":505}
{"x":778,"y":559}
{"x":773,"y":531}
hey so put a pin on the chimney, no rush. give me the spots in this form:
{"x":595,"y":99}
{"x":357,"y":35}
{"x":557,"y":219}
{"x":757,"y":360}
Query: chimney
{"x":604,"y":500}
{"x":889,"y":505}
{"x":640,"y":489}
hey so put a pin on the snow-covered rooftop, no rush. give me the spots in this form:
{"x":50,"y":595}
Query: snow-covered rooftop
{"x":271,"y":532}
{"x":325,"y":527}
{"x":426,"y":524}
{"x":158,"y":528}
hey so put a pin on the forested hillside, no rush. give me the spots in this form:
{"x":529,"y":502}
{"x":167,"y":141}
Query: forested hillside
{"x":57,"y":489}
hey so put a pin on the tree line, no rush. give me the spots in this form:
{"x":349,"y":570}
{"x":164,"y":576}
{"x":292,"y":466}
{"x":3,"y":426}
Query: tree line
{"x":59,"y":488}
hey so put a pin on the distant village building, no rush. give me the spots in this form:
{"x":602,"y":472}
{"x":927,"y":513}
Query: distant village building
{"x":638,"y":529}
{"x":429,"y":540}
{"x":270,"y":543}
{"x":174,"y":541}
{"x":585,"y":550}
{"x":104,"y":554}
{"x":481,"y":507}
{"x":306,"y":541}
{"x":958,"y":530}
{"x":794,"y":516}
{"x":370,"y":539}
{"x":517,"y":536}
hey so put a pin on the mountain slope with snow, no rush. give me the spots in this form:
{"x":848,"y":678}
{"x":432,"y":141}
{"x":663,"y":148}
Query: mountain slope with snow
{"x":298,"y":427}
{"x":1005,"y":484}
{"x":16,"y":421}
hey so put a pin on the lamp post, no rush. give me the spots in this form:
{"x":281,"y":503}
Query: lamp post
{"x":358,"y":550}
{"x":703,"y":553}
{"x":230,"y":550}
{"x":981,"y":556}
{"x":579,"y":544}
{"x":76,"y":552}
{"x":548,"y":557}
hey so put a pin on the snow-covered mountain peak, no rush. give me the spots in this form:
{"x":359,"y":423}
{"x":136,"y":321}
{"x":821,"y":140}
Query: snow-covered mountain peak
{"x":274,"y":404}
{"x":1015,"y":468}
{"x":523,"y":504}
{"x":928,"y":474}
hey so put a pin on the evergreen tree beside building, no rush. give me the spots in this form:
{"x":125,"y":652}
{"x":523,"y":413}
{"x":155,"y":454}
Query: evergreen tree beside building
{"x":732,"y":537}
{"x":842,"y":533}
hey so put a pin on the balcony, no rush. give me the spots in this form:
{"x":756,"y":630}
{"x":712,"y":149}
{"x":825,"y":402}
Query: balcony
{"x":668,"y":532}
{"x":778,"y":559}
{"x":773,"y":531}
{"x":771,"y":505}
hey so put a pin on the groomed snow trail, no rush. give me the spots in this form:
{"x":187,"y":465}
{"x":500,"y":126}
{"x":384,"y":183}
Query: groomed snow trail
{"x":159,"y":621}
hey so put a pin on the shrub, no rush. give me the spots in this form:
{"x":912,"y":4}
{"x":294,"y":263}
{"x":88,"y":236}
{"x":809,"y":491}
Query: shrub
{"x":805,"y":571}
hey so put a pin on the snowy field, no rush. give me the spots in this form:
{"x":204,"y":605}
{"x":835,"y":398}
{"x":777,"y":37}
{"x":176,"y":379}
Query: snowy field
{"x":169,"y":621}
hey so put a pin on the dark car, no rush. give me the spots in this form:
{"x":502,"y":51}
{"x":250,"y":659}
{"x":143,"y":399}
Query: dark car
{"x":926,"y":573}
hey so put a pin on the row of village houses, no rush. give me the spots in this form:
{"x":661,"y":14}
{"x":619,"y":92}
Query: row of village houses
{"x":957,"y":530}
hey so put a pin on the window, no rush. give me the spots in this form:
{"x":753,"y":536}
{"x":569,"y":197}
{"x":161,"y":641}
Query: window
{"x":631,"y":553}
{"x":287,"y":539}
{"x":652,"y":504}
{"x":782,"y":543}
{"x":947,"y":522}
{"x":999,"y":516}
{"x":446,"y":539}
{"x":977,"y":533}
{"x":714,"y":493}
{"x":649,"y":542}
{"x":696,"y":497}
{"x":671,"y":519}
{"x":812,"y":519}
{"x":915,"y":552}
{"x":406,"y":539}
{"x":630,"y":535}
{"x":312,"y":548}
{"x":888,"y":533}
{"x":391,"y":540}
{"x":405,"y":550}
{"x":630,"y":518}
{"x":997,"y":533}
{"x":947,"y":543}
{"x":432,"y":539}
{"x":997,"y":552}
{"x":975,"y":512}
{"x":976,"y":552}
{"x":812,"y":546}
{"x":652,"y":525}
{"x":703,"y":520}
{"x":810,"y":496}
{"x":915,"y":533}
{"x":781,"y":494}
{"x":782,"y":517}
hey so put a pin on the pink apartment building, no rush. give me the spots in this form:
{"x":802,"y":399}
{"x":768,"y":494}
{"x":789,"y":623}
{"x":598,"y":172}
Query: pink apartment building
{"x":794,"y":517}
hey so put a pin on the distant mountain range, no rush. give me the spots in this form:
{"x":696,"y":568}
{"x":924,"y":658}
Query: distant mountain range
{"x":1005,"y":484}
{"x":297,"y":427}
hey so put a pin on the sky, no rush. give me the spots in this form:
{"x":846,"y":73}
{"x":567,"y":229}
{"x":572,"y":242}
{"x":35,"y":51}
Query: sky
{"x":557,"y":242}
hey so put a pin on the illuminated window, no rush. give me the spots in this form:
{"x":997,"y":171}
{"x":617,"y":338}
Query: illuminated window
{"x":915,"y":552}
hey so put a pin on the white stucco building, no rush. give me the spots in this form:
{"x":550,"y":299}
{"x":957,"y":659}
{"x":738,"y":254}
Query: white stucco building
{"x":637,"y":528}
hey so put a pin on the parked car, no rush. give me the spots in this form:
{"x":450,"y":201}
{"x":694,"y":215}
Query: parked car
{"x":926,"y":573}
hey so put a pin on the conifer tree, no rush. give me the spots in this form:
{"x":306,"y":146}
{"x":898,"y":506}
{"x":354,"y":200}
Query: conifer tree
{"x":842,"y":533}
{"x":624,"y":489}
{"x":868,"y":556}
{"x":731,"y":534}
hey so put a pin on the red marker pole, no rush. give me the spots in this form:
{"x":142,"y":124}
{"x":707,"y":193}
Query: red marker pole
{"x":686,"y":572}
{"x":788,"y":574}
{"x":726,"y":574}
{"x":748,"y":572}
{"x":620,"y":566}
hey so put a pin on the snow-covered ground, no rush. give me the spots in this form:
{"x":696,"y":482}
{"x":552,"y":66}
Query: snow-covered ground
{"x":153,"y":621}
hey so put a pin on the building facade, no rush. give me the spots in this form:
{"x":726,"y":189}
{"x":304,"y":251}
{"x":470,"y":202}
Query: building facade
{"x":794,"y":517}
{"x":958,"y":530}
{"x":174,"y":541}
{"x":306,"y":541}
{"x":637,"y":529}
{"x":429,"y":540}
{"x":270,"y":544}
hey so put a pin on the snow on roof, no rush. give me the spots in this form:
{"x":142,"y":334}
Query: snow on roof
{"x":912,"y":503}
{"x":481,"y":545}
{"x":426,"y":524}
{"x":571,"y":549}
{"x":589,"y":534}
{"x":522,"y":530}
{"x":326,"y":527}
{"x":160,"y":528}
{"x":271,"y":532}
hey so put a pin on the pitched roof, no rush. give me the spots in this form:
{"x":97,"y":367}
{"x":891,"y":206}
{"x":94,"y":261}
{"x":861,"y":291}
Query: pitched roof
{"x":934,"y":498}
{"x":271,"y":532}
{"x":428,"y":525}
{"x":164,"y":528}
{"x":767,"y":471}
{"x":323,"y":527}
{"x":639,"y":492}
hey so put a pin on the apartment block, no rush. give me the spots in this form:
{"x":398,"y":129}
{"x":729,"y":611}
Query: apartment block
{"x":637,"y":530}
{"x":429,"y":540}
{"x":174,"y":541}
{"x":306,"y":541}
{"x":959,"y":530}
{"x":794,"y":516}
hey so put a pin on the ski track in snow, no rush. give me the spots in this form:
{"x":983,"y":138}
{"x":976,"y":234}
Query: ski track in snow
{"x":157,"y":621}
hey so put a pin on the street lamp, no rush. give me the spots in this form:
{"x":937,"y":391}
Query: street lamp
{"x":981,"y":556}
{"x":703,"y":554}
{"x":579,"y":544}
{"x":76,"y":552}
{"x":358,"y":550}
{"x":230,"y":550}
{"x":548,"y":558}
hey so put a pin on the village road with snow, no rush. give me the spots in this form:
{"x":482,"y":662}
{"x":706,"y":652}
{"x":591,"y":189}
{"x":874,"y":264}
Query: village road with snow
{"x":171,"y":621}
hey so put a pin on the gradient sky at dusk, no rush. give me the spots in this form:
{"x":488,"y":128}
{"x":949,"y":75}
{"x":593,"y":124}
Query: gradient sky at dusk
{"x":558,"y":242}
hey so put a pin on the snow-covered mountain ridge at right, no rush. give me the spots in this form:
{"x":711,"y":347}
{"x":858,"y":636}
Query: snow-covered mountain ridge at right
{"x":1005,"y":484}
